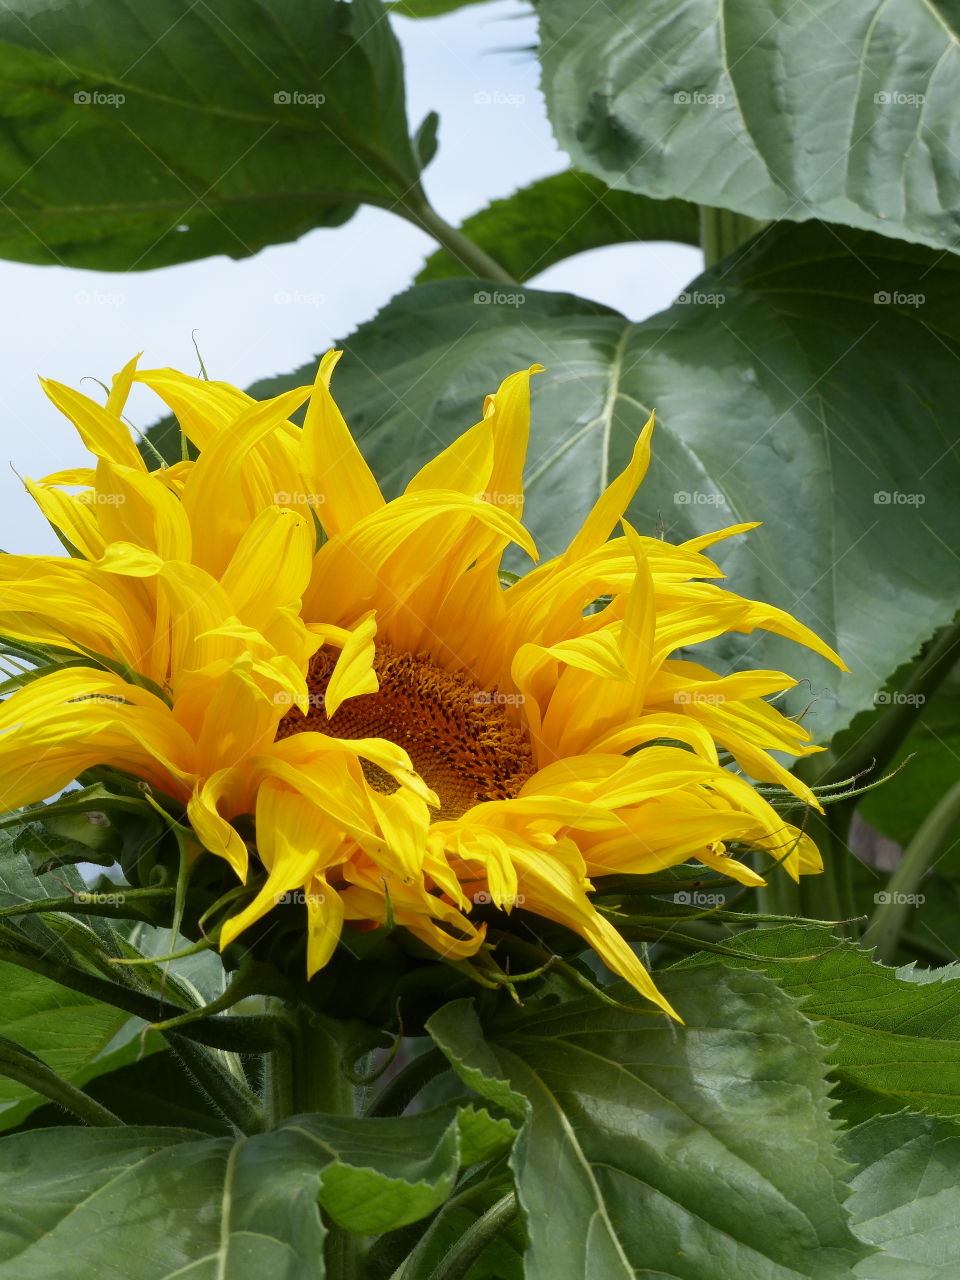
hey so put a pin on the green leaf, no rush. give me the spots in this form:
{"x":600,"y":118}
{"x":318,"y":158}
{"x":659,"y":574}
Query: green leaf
{"x":147,"y":1203}
{"x":893,"y":1041}
{"x":428,"y":8}
{"x":783,"y":394}
{"x":138,"y":137}
{"x":556,"y":217}
{"x":842,"y":112}
{"x":481,"y":1136}
{"x":67,"y":1030}
{"x":660,"y":1150}
{"x":929,"y":758}
{"x":425,"y":139}
{"x":154,"y":1201}
{"x":905,"y":1198}
{"x":77,"y":1036}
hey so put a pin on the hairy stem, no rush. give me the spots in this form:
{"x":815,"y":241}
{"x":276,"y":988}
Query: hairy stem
{"x":17,"y":1063}
{"x":229,"y":1096}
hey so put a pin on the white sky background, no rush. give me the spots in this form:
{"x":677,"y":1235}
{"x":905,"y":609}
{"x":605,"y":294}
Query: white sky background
{"x":486,"y":151}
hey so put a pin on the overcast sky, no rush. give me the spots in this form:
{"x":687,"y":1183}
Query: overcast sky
{"x":70,"y":324}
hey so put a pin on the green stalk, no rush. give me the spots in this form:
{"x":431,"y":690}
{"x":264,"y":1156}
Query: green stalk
{"x":476,"y":260}
{"x":829,"y":895}
{"x":411,"y":1267}
{"x":888,"y":920}
{"x":461,"y":1256}
{"x":229,"y":1096}
{"x":240,"y":1034}
{"x":26,"y":1068}
{"x":722,"y":231}
{"x":407,"y":1083}
{"x":304,"y":1073}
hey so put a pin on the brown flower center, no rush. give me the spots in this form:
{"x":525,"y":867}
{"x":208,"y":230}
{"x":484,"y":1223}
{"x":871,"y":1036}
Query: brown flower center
{"x":459,"y":737}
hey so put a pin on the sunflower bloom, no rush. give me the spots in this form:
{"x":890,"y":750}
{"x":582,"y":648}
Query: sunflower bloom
{"x":260,"y":634}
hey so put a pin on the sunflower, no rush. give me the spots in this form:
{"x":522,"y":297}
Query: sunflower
{"x":259,"y":635}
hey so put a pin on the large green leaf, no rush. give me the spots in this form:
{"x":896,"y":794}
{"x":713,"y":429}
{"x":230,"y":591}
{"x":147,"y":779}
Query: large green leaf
{"x":145,"y":1204}
{"x":692,"y":1152}
{"x":784,"y":393}
{"x":893,"y":1041}
{"x":69,"y":1031}
{"x":137,"y":136}
{"x":559,"y":216}
{"x":149,"y":1203}
{"x":817,"y":110}
{"x":906,"y":1196}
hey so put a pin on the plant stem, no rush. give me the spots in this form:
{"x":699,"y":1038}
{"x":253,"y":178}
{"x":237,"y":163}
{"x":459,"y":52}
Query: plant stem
{"x":476,"y":260}
{"x":722,"y":231}
{"x":241,"y":1034}
{"x":230,"y":1097}
{"x":888,"y":920}
{"x":304,"y":1072}
{"x":407,"y":1083}
{"x":410,"y":1267}
{"x":19,"y":1064}
{"x":461,"y":1256}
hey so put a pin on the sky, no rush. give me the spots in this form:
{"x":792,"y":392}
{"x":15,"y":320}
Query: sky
{"x":476,"y":68}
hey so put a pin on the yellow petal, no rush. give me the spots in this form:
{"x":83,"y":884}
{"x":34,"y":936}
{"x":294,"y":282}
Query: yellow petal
{"x":100,"y":430}
{"x":614,"y":501}
{"x":295,"y":842}
{"x":464,"y":466}
{"x":332,"y":466}
{"x":353,"y":675}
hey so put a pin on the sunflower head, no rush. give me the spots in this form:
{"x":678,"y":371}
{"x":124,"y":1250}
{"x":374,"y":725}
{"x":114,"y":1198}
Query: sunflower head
{"x":367,"y":739}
